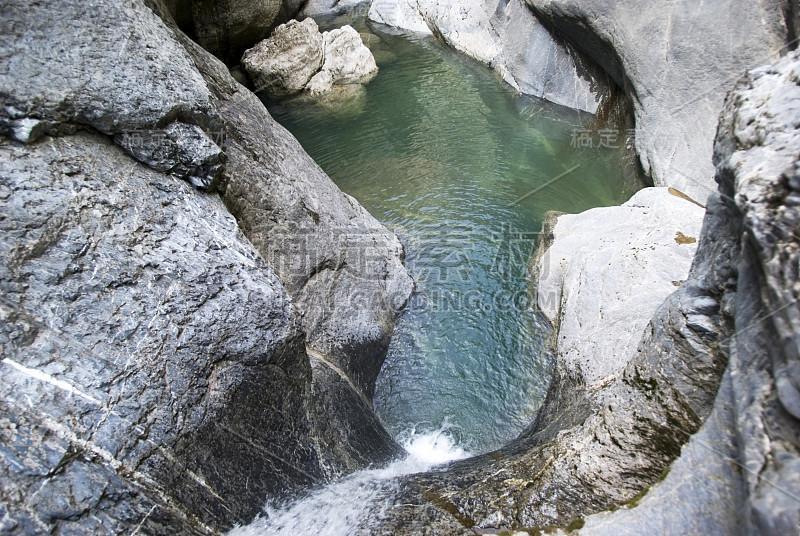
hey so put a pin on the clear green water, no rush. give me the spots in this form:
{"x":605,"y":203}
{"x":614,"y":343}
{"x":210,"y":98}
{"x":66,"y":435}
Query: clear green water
{"x":440,"y":151}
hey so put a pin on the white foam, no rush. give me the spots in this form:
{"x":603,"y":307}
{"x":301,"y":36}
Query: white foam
{"x":340,"y":507}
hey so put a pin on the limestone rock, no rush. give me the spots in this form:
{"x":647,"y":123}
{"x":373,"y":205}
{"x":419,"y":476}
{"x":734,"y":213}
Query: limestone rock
{"x":331,"y":7}
{"x":282,"y":65}
{"x":506,"y":36}
{"x":347,"y":61}
{"x":403,"y":14}
{"x":342,"y":268}
{"x":739,"y":474}
{"x":124,"y":298}
{"x":297,"y":57}
{"x":676,"y":60}
{"x":607,"y":272}
{"x":757,"y":149}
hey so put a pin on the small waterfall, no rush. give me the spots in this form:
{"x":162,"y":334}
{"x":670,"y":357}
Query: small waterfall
{"x":341,"y":507}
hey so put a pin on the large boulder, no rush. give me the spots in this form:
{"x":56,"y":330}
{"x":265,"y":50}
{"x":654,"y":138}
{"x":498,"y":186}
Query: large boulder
{"x":505,"y":35}
{"x":606,"y":273}
{"x":159,"y":375}
{"x":297,"y":57}
{"x":348,"y":61}
{"x":145,"y":337}
{"x":283,"y":65}
{"x":675,"y":60}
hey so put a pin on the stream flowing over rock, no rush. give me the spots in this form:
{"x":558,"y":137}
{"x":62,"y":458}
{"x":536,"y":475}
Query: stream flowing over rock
{"x":722,"y":349}
{"x":193,"y":314}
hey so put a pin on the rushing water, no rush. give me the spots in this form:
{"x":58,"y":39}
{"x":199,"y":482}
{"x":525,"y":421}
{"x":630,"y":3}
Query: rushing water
{"x":341,"y":507}
{"x":463,"y":171}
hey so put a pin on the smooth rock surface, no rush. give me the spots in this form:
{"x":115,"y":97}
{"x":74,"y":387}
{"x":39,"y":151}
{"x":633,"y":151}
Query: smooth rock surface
{"x":506,"y":36}
{"x":739,"y":474}
{"x":330,"y":7}
{"x":283,"y":64}
{"x":403,"y":14}
{"x":606,"y":273}
{"x":676,"y":60}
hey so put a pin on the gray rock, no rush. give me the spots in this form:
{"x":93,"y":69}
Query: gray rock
{"x":124,"y":298}
{"x":739,"y":474}
{"x":347,"y":62}
{"x":331,"y":7}
{"x":607,"y":272}
{"x":342,"y":268}
{"x":676,"y":60}
{"x":282,"y":65}
{"x":297,"y":57}
{"x":155,"y":371}
{"x":506,"y":36}
{"x":403,"y":14}
{"x":227,"y":28}
{"x":697,"y":495}
{"x":756,"y":154}
{"x":72,"y":69}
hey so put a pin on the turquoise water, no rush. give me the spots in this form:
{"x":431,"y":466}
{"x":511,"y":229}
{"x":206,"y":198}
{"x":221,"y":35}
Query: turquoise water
{"x":463,"y":171}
